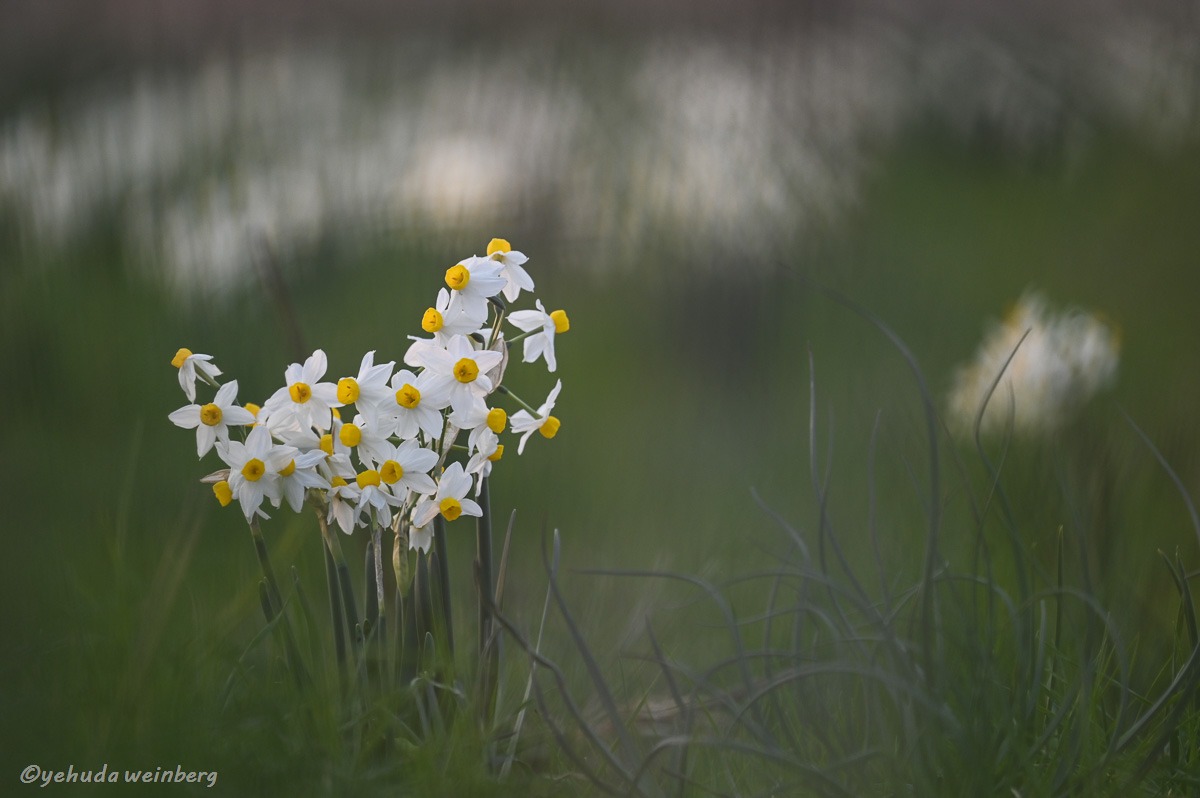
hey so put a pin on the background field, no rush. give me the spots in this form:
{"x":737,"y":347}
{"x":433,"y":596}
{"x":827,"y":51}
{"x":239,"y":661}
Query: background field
{"x":128,"y":595}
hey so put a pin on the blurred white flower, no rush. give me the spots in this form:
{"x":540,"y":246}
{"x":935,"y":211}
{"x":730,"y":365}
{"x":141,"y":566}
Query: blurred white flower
{"x":1059,"y":361}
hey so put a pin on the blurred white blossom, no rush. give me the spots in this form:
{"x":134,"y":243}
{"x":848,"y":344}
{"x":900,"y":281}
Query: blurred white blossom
{"x":703,"y":139}
{"x":1059,"y":360}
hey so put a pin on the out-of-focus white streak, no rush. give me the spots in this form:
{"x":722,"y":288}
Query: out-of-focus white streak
{"x":738,"y":145}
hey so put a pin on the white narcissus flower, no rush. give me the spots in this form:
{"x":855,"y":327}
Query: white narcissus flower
{"x":335,"y":452}
{"x":373,"y":499}
{"x":343,"y":497}
{"x":414,"y":407}
{"x":450,"y":501}
{"x":360,"y":435}
{"x":443,"y":321}
{"x":370,"y":386}
{"x":515,"y":277}
{"x":540,"y":344}
{"x":299,"y":474}
{"x":480,"y":465}
{"x":212,"y":421}
{"x":483,"y":442}
{"x":405,"y":469}
{"x":525,"y":424}
{"x":304,"y":401}
{"x":254,"y":468}
{"x":421,"y":537}
{"x":472,"y":283}
{"x":484,"y":426}
{"x":190,"y":366}
{"x":461,"y":371}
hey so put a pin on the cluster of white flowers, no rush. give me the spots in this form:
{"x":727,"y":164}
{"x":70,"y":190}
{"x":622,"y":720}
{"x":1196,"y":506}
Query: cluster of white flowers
{"x":1059,"y":361}
{"x":387,"y":464}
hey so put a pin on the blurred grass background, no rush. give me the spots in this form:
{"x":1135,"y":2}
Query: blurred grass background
{"x":128,"y":595}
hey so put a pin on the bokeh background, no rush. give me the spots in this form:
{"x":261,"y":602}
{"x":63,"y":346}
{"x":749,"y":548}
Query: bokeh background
{"x":682,"y":177}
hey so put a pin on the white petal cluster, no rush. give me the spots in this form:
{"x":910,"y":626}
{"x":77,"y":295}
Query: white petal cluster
{"x":1058,"y":362}
{"x":396,"y":461}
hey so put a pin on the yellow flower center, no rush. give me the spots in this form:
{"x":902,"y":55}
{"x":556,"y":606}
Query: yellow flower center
{"x":432,"y":321}
{"x":550,"y":427}
{"x":350,"y":435}
{"x":221,"y":489}
{"x":450,"y":508}
{"x":254,"y":469}
{"x":253,"y":408}
{"x":178,"y":361}
{"x":337,"y":482}
{"x":561,"y":322}
{"x":327,"y":443}
{"x":496,"y":455}
{"x":368,"y":477}
{"x":465,"y":370}
{"x":498,"y":246}
{"x":347,"y":390}
{"x":288,"y":469}
{"x":391,"y":472}
{"x":300,"y":392}
{"x":457,"y":277}
{"x":210,"y":414}
{"x":408,"y":396}
{"x":336,"y":413}
{"x":496,"y":419}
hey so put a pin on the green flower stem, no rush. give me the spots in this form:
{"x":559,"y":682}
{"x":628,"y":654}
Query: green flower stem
{"x":381,"y":631}
{"x":371,"y":603}
{"x":315,"y":650}
{"x":496,"y":327}
{"x":375,"y":626}
{"x":264,"y":561}
{"x":335,"y":611}
{"x":264,"y":600}
{"x":406,"y":616}
{"x":519,"y":336}
{"x":380,"y":591}
{"x":349,"y":605}
{"x":422,"y":602}
{"x":207,"y":379}
{"x":443,"y":577}
{"x":273,"y":599}
{"x":504,"y":390}
{"x":489,"y":659}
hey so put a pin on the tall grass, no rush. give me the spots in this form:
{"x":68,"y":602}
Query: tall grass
{"x":991,"y":669}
